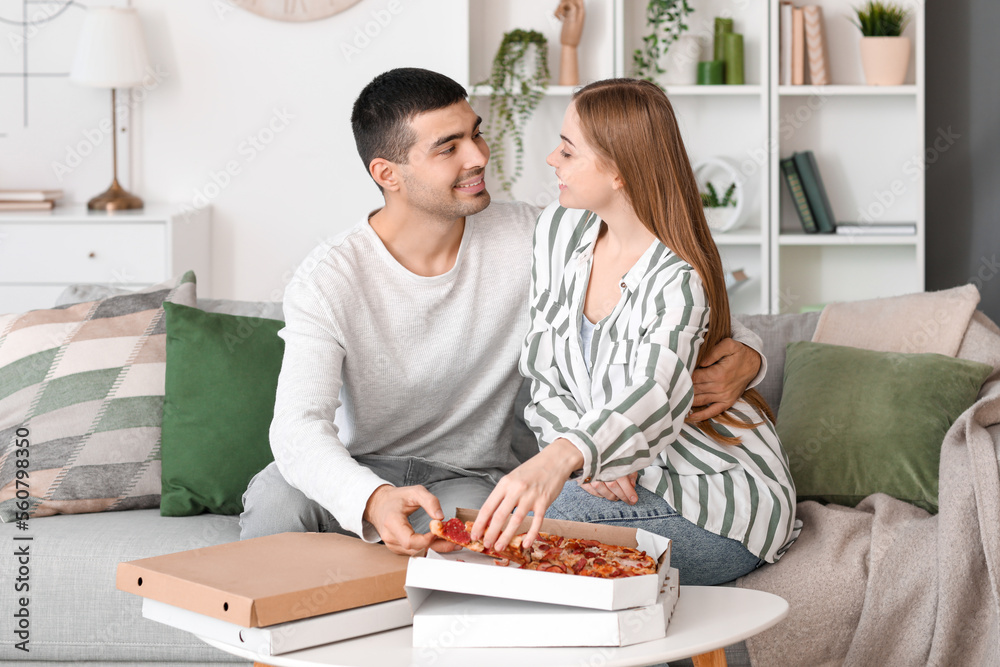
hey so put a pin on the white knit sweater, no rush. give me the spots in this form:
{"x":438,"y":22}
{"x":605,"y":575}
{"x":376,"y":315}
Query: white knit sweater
{"x":379,"y":360}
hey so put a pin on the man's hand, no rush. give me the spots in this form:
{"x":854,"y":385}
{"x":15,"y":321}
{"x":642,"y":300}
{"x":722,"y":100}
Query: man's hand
{"x":388,"y":510}
{"x":622,"y":488}
{"x":722,"y":378}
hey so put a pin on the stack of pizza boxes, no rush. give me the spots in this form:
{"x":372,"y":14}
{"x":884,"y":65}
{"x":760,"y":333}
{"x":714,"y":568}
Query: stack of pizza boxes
{"x":463,"y":599}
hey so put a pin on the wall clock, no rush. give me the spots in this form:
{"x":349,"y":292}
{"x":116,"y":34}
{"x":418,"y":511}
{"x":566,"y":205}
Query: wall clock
{"x":295,"y":10}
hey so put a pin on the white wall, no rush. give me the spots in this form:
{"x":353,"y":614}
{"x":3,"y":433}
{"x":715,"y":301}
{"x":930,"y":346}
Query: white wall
{"x":227,"y":72}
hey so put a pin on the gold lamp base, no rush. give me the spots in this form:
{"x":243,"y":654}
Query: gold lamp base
{"x":115,"y":198}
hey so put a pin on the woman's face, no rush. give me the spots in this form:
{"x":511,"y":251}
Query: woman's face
{"x":583,"y":182}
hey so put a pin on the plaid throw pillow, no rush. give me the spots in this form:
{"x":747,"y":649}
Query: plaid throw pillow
{"x":81,"y":403}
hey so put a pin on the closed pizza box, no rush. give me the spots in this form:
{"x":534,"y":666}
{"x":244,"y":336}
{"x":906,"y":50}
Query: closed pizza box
{"x":268,"y":580}
{"x":472,"y":573}
{"x":472,"y":621}
{"x":285,"y":637}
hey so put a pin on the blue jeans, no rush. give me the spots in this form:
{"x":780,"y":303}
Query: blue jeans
{"x":271,"y":505}
{"x":702,"y":557}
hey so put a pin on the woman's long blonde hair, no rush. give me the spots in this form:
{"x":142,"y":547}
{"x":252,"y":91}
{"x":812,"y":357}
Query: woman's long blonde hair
{"x":631,"y":126}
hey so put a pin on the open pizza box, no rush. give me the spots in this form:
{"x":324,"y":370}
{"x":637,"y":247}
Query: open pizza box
{"x":472,"y":621}
{"x":472,"y":573}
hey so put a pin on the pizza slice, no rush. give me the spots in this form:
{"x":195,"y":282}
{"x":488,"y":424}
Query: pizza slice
{"x":554,"y":553}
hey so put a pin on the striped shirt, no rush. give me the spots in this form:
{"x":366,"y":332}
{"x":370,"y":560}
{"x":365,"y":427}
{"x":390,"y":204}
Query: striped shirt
{"x":627,"y":414}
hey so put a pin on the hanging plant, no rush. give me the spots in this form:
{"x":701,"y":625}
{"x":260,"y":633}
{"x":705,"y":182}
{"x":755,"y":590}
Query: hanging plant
{"x":666,"y":20}
{"x":517,"y":88}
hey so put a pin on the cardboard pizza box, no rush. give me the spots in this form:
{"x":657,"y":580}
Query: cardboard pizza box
{"x":468,"y":572}
{"x":472,"y":621}
{"x":285,"y":637}
{"x":268,"y":580}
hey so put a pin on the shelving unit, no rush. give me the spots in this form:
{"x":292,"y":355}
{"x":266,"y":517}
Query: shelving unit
{"x":864,"y":137}
{"x":869,"y":143}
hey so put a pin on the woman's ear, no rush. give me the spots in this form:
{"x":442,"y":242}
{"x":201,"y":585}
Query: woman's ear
{"x":617,"y":183}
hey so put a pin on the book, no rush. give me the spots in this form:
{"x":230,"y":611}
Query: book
{"x":798,"y":47}
{"x":29,"y":195}
{"x":798,"y":196}
{"x":815,"y":45}
{"x":812,"y":185}
{"x":865,"y":229}
{"x":285,"y":637}
{"x":27,"y":205}
{"x":785,"y":77}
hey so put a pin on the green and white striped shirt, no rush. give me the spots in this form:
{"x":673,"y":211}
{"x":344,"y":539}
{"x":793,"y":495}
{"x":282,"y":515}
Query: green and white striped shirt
{"x":627,"y":413}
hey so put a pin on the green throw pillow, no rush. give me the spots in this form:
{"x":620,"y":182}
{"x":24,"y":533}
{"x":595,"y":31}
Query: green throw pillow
{"x":221,"y":377}
{"x":856,"y":422}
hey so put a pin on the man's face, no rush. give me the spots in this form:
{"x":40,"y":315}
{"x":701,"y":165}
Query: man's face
{"x":445,"y":175}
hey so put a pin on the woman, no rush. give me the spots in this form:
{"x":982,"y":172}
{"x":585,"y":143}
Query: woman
{"x":628,"y":295}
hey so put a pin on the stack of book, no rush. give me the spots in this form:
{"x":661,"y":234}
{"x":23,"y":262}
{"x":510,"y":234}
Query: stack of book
{"x":28,"y":200}
{"x":803,"y":45}
{"x":808,"y":194}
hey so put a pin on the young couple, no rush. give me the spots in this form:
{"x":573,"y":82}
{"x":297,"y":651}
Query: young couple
{"x":395,"y":401}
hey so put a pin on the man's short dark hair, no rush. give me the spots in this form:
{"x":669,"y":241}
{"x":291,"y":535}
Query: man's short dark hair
{"x":383,"y":111}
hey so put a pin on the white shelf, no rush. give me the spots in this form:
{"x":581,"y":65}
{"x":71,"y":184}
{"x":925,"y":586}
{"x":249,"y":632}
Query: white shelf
{"x":802,"y":239}
{"x":738,"y":238}
{"x":809,"y":90}
{"x":555,"y":91}
{"x":714,"y":90}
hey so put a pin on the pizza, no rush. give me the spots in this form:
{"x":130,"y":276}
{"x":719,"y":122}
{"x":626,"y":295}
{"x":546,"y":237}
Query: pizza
{"x":554,"y":553}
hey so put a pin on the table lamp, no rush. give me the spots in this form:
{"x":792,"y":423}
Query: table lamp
{"x":111,"y":54}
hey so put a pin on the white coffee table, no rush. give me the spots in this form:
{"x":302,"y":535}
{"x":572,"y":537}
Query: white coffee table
{"x":705,"y":620}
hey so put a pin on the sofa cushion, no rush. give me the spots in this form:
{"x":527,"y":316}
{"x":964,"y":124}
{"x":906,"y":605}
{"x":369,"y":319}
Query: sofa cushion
{"x":221,"y":378}
{"x":81,"y":401}
{"x":856,"y":422}
{"x":76,"y":613}
{"x":776,"y":331}
{"x":267,"y":309}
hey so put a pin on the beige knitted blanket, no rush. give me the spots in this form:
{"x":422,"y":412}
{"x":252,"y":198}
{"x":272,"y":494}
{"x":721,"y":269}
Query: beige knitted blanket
{"x":888,"y":584}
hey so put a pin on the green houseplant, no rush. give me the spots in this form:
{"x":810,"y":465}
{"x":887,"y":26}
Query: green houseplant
{"x":517,"y":86}
{"x":666,"y":21}
{"x":885,"y":53}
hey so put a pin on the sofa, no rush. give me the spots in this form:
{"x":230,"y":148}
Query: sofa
{"x":77,"y":616}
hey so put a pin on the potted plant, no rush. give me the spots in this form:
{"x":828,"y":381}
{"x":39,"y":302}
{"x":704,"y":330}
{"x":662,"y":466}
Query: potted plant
{"x":517,"y":86}
{"x":666,"y":20}
{"x":719,"y":212}
{"x":885,"y":53}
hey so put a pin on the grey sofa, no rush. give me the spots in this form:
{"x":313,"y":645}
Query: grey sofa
{"x":78,"y":617}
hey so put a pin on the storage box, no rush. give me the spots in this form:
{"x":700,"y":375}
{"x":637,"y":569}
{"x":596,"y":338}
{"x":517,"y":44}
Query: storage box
{"x":268,"y":580}
{"x":465,"y":571}
{"x":473,"y":621}
{"x":285,"y":637}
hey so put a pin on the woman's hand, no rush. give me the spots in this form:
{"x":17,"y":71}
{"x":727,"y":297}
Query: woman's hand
{"x":622,"y":488}
{"x":530,"y":487}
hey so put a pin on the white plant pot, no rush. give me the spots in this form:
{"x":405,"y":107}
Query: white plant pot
{"x":721,"y":219}
{"x":681,"y":62}
{"x":721,"y":171}
{"x":885,"y":60}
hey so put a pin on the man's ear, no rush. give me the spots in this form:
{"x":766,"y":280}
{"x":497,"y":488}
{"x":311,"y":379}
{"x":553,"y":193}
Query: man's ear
{"x":385,"y":173}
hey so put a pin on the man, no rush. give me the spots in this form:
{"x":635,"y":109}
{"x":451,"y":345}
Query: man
{"x":395,"y":399}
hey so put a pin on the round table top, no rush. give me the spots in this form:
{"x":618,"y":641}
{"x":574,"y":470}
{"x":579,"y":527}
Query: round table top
{"x":705,"y":618}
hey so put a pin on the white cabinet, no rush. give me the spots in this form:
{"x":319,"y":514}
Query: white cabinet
{"x":43,"y":252}
{"x":865,"y":139}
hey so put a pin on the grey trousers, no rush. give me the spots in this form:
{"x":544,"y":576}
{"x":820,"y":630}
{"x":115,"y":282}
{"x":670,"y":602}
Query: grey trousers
{"x":271,"y":505}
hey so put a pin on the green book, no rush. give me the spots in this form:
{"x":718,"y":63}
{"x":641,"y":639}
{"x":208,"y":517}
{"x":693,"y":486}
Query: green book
{"x":812,"y":184}
{"x":798,"y":196}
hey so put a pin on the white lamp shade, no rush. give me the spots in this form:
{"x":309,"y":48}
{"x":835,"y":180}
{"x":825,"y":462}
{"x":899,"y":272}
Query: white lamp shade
{"x":112,"y":50}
